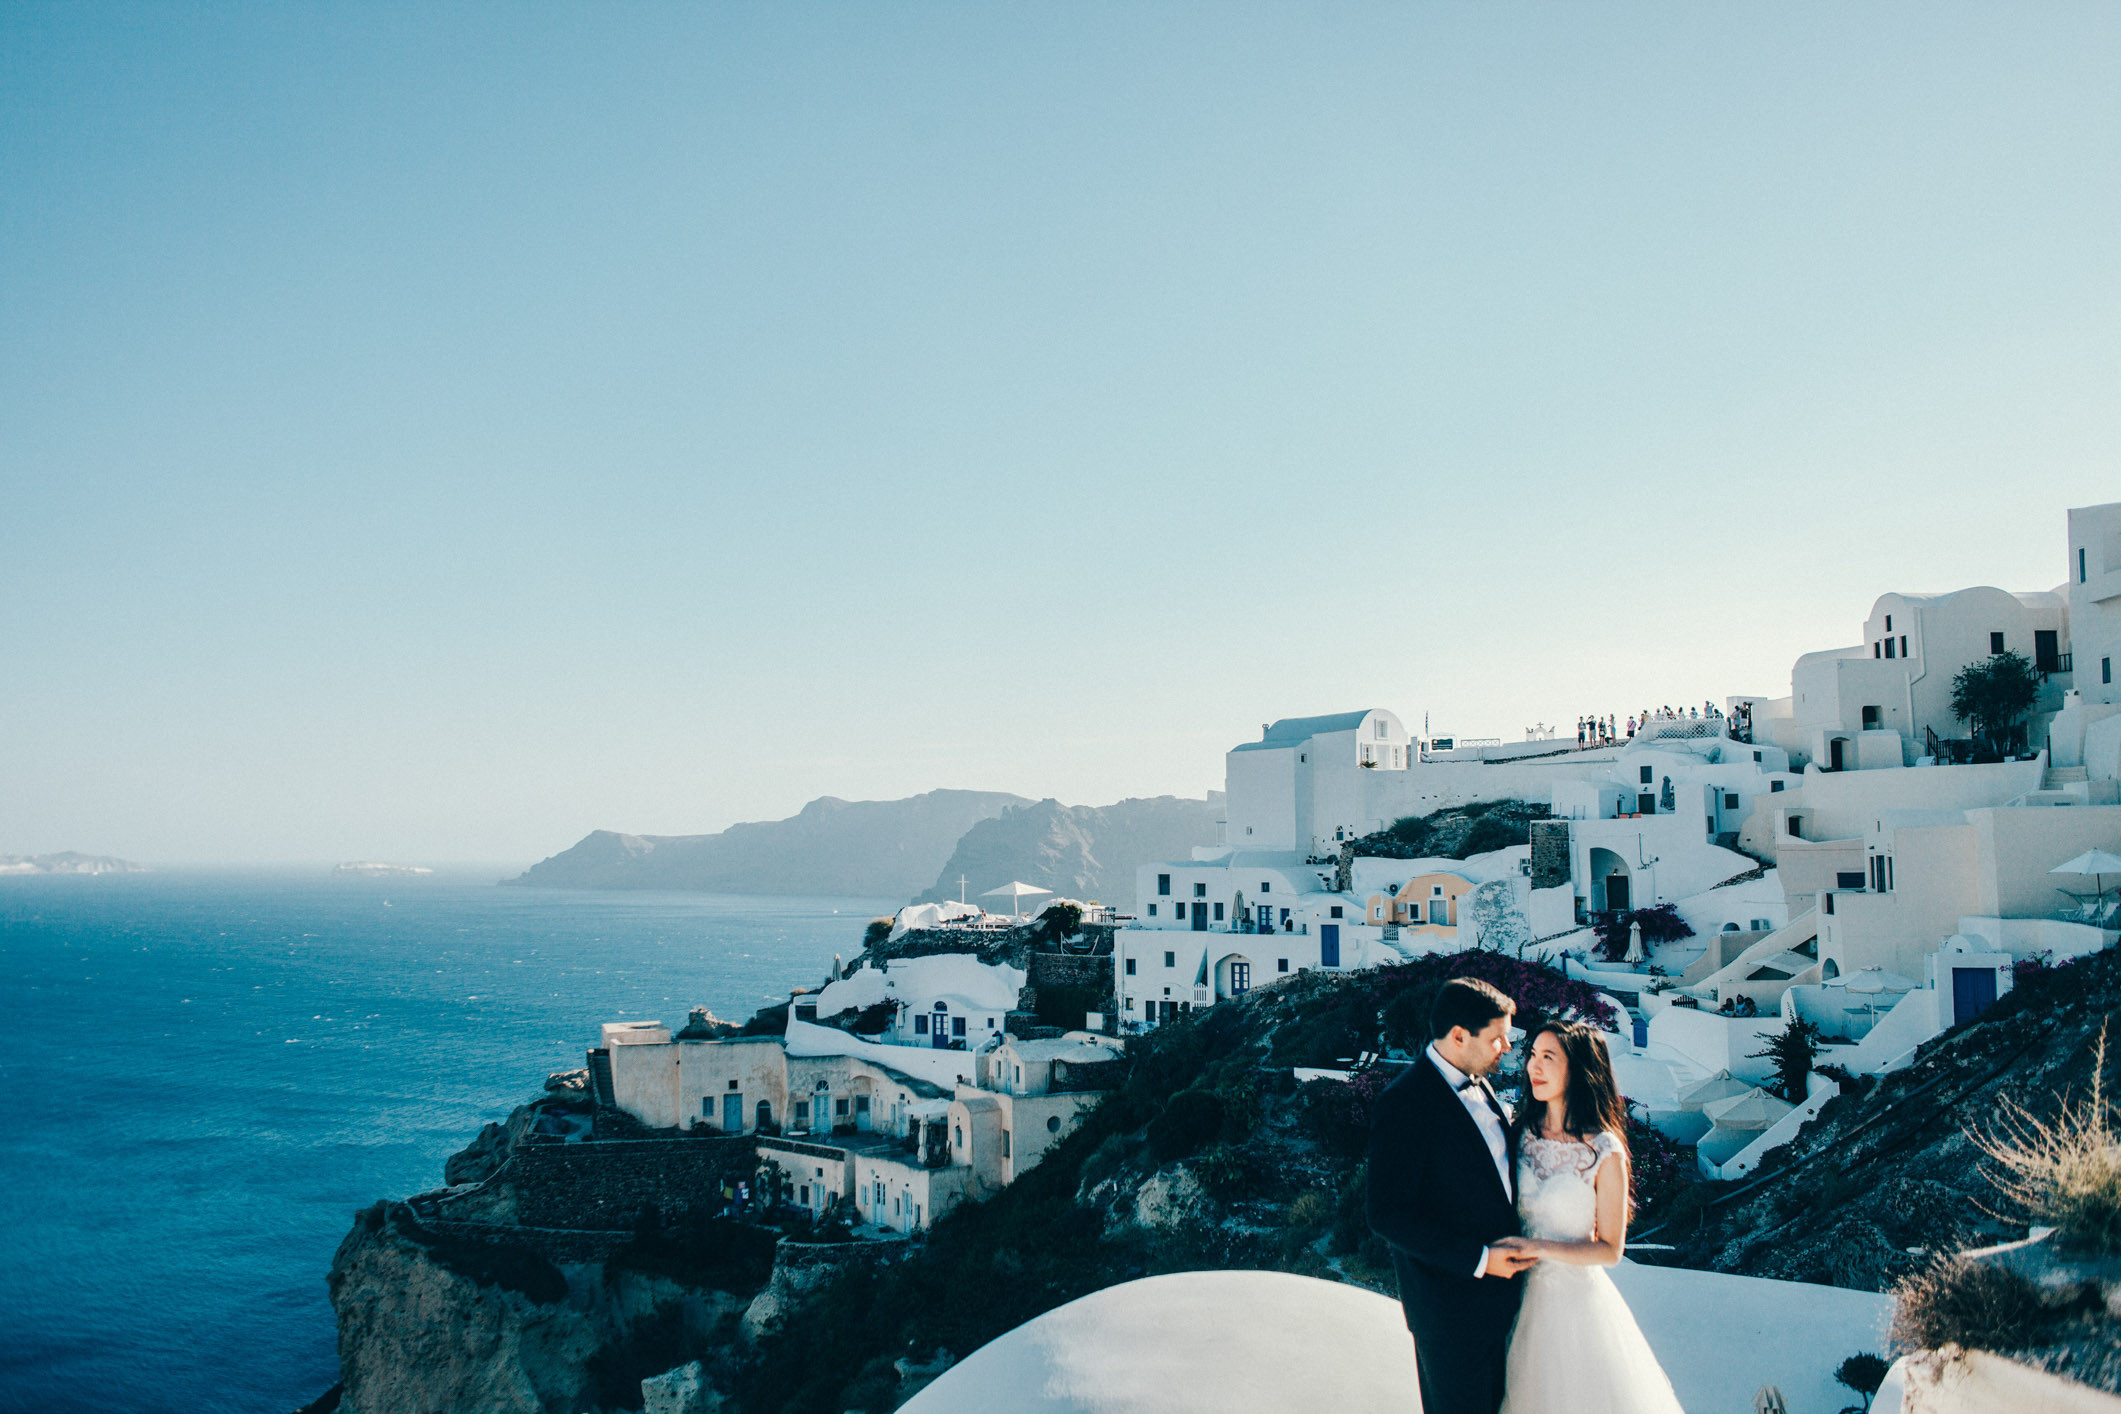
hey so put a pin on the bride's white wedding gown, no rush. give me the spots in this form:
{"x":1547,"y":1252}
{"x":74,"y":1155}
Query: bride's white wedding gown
{"x":1576,"y":1349}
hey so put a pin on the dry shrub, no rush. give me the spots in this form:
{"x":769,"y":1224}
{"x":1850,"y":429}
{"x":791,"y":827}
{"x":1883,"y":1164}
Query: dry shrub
{"x":1974,"y":1304}
{"x":2065,"y":1171}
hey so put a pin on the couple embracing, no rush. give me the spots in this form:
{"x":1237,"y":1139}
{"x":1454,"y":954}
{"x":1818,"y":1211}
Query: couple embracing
{"x":1499,"y":1223}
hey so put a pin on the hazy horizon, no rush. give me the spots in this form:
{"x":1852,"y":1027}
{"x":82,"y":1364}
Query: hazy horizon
{"x":441,"y":431}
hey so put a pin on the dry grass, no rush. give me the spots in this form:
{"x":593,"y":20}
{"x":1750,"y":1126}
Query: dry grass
{"x":1954,"y":1301}
{"x":2064,"y":1171}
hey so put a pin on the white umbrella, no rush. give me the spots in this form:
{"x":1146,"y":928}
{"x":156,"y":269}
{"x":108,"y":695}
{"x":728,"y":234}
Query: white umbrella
{"x":1755,"y":1109}
{"x":1016,"y":891}
{"x":1871,"y":982}
{"x":2098,"y":863}
{"x":2095,"y":862}
{"x":1635,"y":952}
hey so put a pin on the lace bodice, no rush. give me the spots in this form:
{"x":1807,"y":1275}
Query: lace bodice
{"x":1557,"y":1197}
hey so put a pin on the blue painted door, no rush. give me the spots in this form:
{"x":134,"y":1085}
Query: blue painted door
{"x":732,"y":1114}
{"x":1973,"y":990}
{"x":1329,"y":945}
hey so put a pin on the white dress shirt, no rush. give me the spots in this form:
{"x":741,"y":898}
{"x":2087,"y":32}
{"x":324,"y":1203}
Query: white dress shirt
{"x":1476,"y":1103}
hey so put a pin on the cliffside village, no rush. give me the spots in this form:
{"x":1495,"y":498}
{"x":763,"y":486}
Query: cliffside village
{"x":1847,"y":855}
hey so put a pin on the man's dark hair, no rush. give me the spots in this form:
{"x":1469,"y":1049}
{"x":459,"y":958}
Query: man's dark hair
{"x":1467,"y":1002}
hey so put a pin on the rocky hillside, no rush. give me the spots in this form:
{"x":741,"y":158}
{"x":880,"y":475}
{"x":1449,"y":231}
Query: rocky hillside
{"x":877,"y":848}
{"x":1079,"y":851}
{"x":1886,"y":1177}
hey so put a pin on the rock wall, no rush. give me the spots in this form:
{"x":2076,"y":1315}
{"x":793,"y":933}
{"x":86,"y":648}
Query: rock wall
{"x":431,"y":1323}
{"x":1046,"y":969}
{"x":610,"y":1183}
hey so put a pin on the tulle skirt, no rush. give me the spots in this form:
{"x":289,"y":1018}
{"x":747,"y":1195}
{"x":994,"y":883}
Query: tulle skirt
{"x":1577,"y":1350}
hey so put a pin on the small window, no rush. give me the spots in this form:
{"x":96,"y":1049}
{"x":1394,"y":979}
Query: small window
{"x":732,"y":1085}
{"x":1170,"y":959}
{"x":1848,"y":879}
{"x":1903,"y":645}
{"x":861,"y":1104}
{"x":2080,"y":564}
{"x":1995,"y":643}
{"x":1878,"y":648}
{"x":1265,"y":886}
{"x":1130,"y":967}
{"x":1333,"y":912}
{"x":839,"y":1107}
{"x":1052,"y":1124}
{"x":1756,"y":758}
{"x":1730,"y":800}
{"x":1178,"y":910}
{"x":1163,"y":884}
{"x":2106,"y":670}
{"x":1888,"y":623}
{"x":1218,"y":913}
{"x":1829,"y":903}
{"x":1645,"y":775}
{"x":1889,"y":648}
{"x":804,"y":1195}
{"x":1774,"y":786}
{"x":1871,"y":716}
{"x":802,"y":1111}
{"x":920,"y":1024}
{"x":1005,"y":1143}
{"x":1200,"y":891}
{"x":957,"y":1026}
{"x":1152,"y":910}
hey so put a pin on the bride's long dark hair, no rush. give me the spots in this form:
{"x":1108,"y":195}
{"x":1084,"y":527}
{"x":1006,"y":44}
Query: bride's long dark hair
{"x":1591,"y":1102}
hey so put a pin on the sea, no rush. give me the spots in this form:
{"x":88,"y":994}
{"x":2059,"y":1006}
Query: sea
{"x":210,"y":1073}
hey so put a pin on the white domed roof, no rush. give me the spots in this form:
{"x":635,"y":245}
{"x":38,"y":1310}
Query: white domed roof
{"x":1193,"y":1341}
{"x":1239,"y":1342}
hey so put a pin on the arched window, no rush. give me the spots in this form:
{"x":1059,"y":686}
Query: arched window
{"x":1832,"y":969}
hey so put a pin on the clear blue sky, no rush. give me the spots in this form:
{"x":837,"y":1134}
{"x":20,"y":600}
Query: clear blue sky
{"x":432,"y":432}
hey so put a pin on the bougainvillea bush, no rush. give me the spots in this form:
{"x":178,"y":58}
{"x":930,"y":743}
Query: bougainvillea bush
{"x":1403,"y":994}
{"x":1661,"y":924}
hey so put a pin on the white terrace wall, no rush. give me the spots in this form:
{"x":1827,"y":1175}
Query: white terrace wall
{"x":1717,"y":1042}
{"x":1846,"y":804}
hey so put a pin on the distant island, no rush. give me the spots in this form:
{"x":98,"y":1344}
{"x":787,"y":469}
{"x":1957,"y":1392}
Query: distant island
{"x":918,"y":846}
{"x":374,"y":869}
{"x":67,"y":862}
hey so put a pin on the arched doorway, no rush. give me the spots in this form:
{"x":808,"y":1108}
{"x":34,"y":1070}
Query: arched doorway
{"x":1612,"y":882}
{"x":1233,"y":976}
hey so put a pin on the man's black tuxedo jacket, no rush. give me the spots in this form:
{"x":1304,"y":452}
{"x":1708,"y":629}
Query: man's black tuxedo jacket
{"x":1435,"y":1197}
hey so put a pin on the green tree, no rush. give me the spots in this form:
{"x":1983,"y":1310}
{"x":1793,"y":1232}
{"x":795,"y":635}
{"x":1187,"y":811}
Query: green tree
{"x":1993,"y":694}
{"x":1792,"y":1050}
{"x":1862,"y":1373}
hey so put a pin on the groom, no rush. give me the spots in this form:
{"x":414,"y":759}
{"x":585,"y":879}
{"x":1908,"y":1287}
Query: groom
{"x":1442,"y":1190}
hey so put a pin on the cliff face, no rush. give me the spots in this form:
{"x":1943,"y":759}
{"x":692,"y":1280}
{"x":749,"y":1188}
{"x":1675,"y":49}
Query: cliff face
{"x":1078,"y":851}
{"x":431,"y":1326}
{"x":886,"y":848}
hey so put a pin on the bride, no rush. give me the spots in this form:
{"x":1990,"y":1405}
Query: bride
{"x":1576,"y":1346}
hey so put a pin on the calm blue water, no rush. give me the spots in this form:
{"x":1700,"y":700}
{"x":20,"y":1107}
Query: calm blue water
{"x":208,"y":1074}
